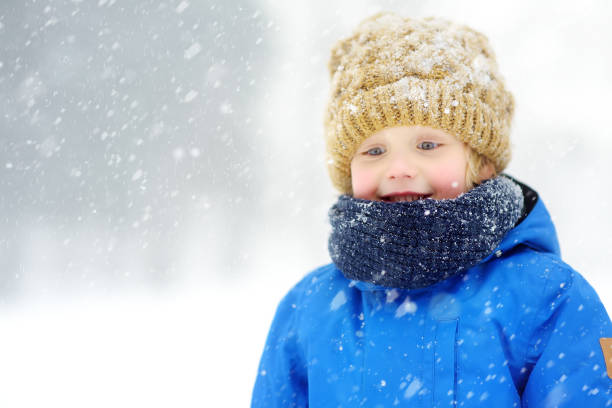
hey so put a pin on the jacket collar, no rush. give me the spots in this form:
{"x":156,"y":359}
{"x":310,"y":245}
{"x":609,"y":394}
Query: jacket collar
{"x":534,"y":229}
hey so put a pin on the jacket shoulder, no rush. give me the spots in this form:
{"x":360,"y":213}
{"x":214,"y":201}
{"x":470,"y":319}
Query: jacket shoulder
{"x":556,"y":293}
{"x":325,"y":273}
{"x":320,"y":287}
{"x":564,"y":358}
{"x":551,"y":276}
{"x":534,"y":271}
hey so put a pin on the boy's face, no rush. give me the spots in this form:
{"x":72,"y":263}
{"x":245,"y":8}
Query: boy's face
{"x":408,"y":163}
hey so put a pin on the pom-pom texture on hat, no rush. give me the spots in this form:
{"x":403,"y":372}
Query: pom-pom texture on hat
{"x":396,"y":71}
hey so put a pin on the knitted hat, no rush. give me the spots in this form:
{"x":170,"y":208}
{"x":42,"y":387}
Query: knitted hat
{"x":396,"y":71}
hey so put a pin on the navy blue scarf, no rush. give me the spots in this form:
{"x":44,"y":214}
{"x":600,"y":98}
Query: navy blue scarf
{"x":415,"y":244}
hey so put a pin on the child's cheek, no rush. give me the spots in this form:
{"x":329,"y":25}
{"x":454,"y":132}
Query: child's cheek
{"x":449,"y":183}
{"x":364,"y":183}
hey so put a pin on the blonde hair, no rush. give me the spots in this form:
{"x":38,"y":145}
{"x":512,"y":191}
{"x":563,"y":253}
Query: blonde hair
{"x":476,"y":163}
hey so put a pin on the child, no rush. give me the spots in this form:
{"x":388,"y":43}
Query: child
{"x":447,"y":287}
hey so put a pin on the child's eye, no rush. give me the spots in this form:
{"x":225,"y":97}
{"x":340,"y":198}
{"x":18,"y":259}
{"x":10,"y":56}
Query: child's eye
{"x":375,"y":151}
{"x":427,"y":145}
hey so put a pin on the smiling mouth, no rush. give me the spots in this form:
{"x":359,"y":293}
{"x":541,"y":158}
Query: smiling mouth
{"x":404,"y":197}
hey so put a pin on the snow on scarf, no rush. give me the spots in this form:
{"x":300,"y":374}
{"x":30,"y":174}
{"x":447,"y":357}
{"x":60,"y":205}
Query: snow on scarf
{"x":415,"y":244}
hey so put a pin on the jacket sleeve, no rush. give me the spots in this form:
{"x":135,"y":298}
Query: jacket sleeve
{"x":282,"y":377}
{"x":566,"y":359}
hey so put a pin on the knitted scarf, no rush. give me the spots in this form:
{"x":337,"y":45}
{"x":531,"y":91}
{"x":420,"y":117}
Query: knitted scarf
{"x":411,"y":245}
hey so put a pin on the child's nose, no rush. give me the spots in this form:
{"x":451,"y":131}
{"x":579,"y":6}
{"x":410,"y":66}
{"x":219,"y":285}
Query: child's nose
{"x":401,"y":167}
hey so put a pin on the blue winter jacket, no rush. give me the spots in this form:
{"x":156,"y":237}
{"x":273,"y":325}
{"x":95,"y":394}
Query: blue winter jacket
{"x":520,"y":329}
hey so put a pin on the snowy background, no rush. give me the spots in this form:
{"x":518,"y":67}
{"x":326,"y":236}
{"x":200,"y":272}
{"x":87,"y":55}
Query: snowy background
{"x":162,"y":178}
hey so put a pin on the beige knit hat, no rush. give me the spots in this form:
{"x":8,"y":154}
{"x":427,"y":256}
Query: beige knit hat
{"x":396,"y":71}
